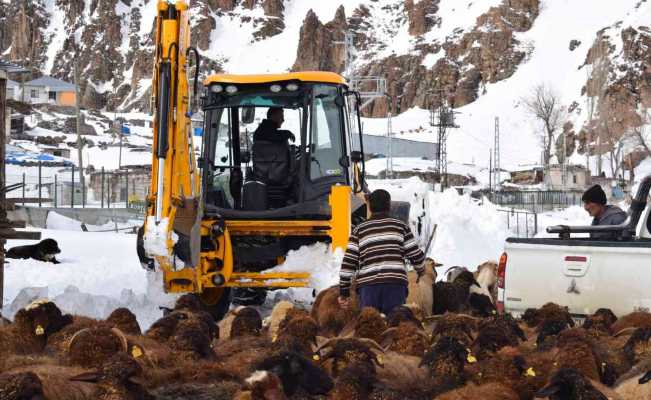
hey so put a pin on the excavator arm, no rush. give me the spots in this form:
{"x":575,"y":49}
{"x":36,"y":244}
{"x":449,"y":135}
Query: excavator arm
{"x":173,"y":201}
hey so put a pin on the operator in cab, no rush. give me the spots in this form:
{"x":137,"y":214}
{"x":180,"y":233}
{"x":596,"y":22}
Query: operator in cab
{"x":595,"y":203}
{"x":269,"y":129}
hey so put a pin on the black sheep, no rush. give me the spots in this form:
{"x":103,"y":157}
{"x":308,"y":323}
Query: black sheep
{"x":445,"y":362}
{"x":481,"y":305}
{"x":297,"y":373}
{"x":452,"y":297}
{"x":570,"y":384}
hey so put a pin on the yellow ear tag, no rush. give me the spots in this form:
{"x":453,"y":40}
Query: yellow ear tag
{"x":494,"y":312}
{"x":39,"y":330}
{"x":380,"y":359}
{"x":136,"y":352}
{"x":273,"y":339}
{"x":471,"y":359}
{"x":530,"y":372}
{"x":316,"y":357}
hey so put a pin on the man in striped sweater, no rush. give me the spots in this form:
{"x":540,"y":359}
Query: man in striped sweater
{"x":375,"y":258}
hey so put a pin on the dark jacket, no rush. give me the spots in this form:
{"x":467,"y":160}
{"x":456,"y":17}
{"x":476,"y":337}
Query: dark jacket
{"x":376,"y":253}
{"x":613,"y":215}
{"x":269,"y":132}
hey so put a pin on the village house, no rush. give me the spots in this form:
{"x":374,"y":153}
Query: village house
{"x":48,"y":90}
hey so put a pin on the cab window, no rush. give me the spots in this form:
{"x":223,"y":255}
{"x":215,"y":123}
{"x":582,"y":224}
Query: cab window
{"x":326,"y":147}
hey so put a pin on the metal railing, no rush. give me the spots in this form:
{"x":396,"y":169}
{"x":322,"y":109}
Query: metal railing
{"x":535,"y":201}
{"x":62,"y":189}
{"x":521,"y":223}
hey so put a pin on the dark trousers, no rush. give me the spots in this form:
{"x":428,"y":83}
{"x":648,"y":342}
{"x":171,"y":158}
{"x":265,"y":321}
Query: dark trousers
{"x":383,"y":296}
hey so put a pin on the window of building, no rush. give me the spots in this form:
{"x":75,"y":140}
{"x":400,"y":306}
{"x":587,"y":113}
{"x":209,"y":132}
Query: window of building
{"x":573,"y":178}
{"x":33,"y":93}
{"x":52,"y":95}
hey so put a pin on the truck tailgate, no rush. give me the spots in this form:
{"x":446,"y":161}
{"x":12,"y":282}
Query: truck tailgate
{"x":581,"y":275}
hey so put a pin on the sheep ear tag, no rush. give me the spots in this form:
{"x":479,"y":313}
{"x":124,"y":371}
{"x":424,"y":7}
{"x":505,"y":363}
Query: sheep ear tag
{"x":530,"y":372}
{"x":39,"y":331}
{"x":316,"y":357}
{"x":470,"y":358}
{"x":136,"y":352}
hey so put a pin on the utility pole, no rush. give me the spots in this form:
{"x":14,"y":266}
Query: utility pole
{"x":442,"y":118}
{"x":82,"y":181}
{"x":496,"y":150}
{"x":389,"y":173}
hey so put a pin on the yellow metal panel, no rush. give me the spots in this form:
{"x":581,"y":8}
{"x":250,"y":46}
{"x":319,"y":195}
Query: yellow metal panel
{"x":305,"y":76}
{"x":340,"y":219}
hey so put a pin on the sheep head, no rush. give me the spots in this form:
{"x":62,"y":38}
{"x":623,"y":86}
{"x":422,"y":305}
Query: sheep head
{"x":41,"y":319}
{"x":345,"y":351}
{"x":247,"y":322}
{"x":91,"y":347}
{"x":402,"y":314}
{"x":124,"y":320}
{"x":297,"y":372}
{"x":568,"y":383}
{"x":638,"y":346}
{"x":24,"y":385}
{"x":370,"y":324}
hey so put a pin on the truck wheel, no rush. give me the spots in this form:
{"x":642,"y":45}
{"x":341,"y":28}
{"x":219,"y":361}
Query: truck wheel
{"x":400,"y":210}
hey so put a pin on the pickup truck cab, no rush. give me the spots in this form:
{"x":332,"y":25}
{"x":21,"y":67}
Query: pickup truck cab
{"x":580,"y":273}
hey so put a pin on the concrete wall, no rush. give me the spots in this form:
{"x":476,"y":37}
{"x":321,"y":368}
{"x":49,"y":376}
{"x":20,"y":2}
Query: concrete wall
{"x":400,"y":147}
{"x":35,"y":216}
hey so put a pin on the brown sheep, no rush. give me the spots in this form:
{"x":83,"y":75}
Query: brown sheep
{"x":114,"y":380}
{"x":330,"y":316}
{"x":407,"y":339}
{"x":124,"y":320}
{"x":402,"y":314}
{"x":488,"y":391}
{"x":575,"y":350}
{"x":32,"y":327}
{"x":91,"y":347}
{"x":601,"y":321}
{"x":445,"y":362}
{"x":636,"y":319}
{"x":370,"y":324}
{"x":198,"y":391}
{"x":458,"y":326}
{"x":298,"y":334}
{"x":635,"y":383}
{"x":338,"y":353}
{"x":496,"y":332}
{"x":570,"y":384}
{"x":239,"y":355}
{"x":59,"y":342}
{"x":548,"y":312}
{"x":420,"y":289}
{"x":20,"y":386}
{"x":247,"y":322}
{"x":191,"y":338}
{"x":278,"y":314}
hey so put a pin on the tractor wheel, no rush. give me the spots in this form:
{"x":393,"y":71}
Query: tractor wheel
{"x":217,"y":301}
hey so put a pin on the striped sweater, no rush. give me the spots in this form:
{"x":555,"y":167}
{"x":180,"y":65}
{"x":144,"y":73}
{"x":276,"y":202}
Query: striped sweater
{"x":376,"y":253}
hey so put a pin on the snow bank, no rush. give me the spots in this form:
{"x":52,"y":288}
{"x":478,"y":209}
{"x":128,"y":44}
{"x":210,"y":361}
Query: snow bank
{"x":98,"y":273}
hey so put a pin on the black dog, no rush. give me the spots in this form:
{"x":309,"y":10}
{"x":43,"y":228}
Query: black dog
{"x":45,"y":250}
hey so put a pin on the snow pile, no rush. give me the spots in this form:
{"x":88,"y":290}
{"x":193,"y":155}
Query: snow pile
{"x":320,"y":261}
{"x":98,"y":273}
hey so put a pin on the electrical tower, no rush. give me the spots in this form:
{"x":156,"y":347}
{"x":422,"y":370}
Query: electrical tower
{"x":496,"y":155}
{"x":442,"y":117}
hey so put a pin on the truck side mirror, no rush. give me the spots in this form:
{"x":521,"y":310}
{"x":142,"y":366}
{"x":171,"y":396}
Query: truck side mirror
{"x":356,"y":156}
{"x":248,"y":115}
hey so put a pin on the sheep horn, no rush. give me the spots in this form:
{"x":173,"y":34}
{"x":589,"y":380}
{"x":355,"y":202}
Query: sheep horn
{"x":372,"y":343}
{"x":327,"y":344}
{"x":72,"y":339}
{"x":625,"y":331}
{"x":122,"y":338}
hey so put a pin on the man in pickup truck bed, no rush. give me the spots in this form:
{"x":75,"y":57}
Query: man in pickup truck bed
{"x":594,"y":202}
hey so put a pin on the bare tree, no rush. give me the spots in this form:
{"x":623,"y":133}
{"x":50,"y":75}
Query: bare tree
{"x":641,"y":135}
{"x":545,"y":105}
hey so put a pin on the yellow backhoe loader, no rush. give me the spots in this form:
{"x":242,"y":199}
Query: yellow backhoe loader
{"x":216,"y":221}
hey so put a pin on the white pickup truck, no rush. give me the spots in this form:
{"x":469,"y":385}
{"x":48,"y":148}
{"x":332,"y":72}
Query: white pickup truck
{"x":581,"y":273}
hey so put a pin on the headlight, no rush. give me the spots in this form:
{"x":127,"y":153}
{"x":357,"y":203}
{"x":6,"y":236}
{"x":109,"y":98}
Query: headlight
{"x":230,"y":89}
{"x":276,"y":88}
{"x":292,"y":87}
{"x":216,"y":88}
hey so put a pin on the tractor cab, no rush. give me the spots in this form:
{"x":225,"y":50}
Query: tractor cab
{"x":275,"y":145}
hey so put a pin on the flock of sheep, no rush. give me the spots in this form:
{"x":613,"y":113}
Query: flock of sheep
{"x":447,"y":343}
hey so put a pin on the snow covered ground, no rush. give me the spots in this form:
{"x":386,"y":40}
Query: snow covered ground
{"x":100,"y":271}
